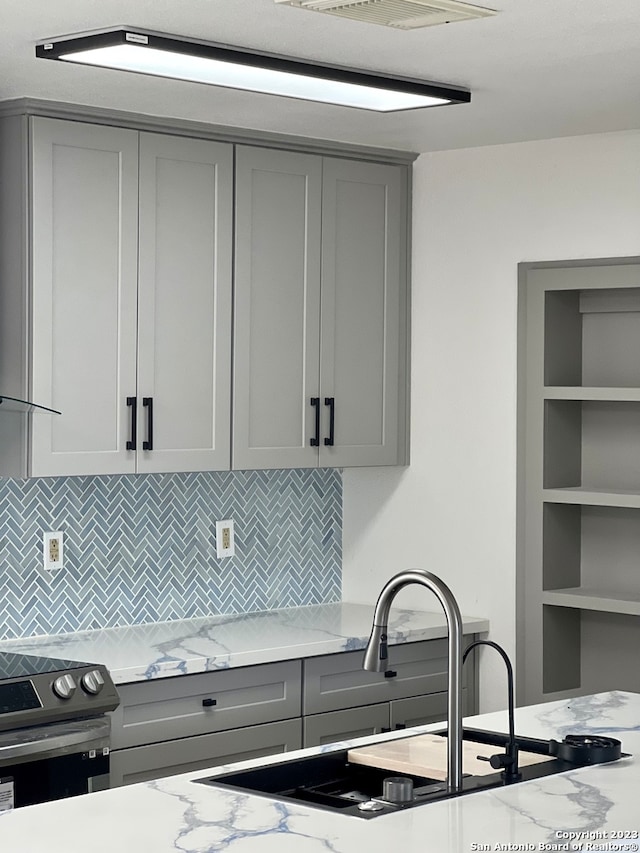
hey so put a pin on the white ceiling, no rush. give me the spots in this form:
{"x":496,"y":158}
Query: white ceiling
{"x":538,"y":69}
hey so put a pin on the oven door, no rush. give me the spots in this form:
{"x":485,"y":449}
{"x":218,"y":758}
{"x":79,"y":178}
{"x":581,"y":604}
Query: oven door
{"x":43,"y":763}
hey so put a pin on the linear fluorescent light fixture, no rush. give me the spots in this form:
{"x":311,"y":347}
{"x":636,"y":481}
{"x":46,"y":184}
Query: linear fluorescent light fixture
{"x":239,"y":68}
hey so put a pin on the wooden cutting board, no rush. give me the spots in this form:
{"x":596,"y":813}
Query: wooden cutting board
{"x":426,"y":755}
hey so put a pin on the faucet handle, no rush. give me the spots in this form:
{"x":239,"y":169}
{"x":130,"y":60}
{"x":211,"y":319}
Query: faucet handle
{"x":505,"y":761}
{"x":500,"y":761}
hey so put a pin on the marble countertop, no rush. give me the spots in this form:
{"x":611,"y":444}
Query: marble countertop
{"x":589,"y":809}
{"x":164,"y":649}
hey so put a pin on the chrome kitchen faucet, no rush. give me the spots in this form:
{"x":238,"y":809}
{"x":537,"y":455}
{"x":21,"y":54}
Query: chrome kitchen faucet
{"x":376,"y":656}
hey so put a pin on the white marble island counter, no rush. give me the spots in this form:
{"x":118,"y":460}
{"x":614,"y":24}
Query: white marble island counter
{"x":589,"y":809}
{"x":160,"y":650}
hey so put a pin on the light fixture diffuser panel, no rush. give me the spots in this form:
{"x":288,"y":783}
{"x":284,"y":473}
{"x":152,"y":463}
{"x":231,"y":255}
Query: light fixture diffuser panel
{"x":237,"y":68}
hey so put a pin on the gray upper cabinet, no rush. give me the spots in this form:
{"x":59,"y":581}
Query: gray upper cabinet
{"x":171,"y":343}
{"x":131,"y":300}
{"x":84,"y":207}
{"x":277,"y":308}
{"x":184,"y":307}
{"x":320,"y":311}
{"x":363,"y":320}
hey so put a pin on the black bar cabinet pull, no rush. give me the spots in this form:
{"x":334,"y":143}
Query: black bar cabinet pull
{"x":331,"y":402}
{"x":390,"y":673}
{"x":315,"y":441}
{"x":147,"y":402}
{"x":209,"y":703}
{"x":132,"y":402}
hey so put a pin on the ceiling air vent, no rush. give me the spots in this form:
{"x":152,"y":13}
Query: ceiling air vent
{"x":401,"y":14}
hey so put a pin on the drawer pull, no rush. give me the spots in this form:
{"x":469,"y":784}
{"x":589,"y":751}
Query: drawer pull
{"x":390,"y":673}
{"x":209,"y":703}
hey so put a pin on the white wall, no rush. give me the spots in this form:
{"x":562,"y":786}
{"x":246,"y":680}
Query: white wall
{"x":477,"y":213}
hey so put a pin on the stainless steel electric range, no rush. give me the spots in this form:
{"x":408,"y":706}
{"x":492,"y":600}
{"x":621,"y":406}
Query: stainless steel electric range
{"x":54,"y":728}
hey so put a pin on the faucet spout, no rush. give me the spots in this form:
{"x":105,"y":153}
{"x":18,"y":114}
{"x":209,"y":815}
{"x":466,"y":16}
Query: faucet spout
{"x":376,"y":655}
{"x":508,"y":761}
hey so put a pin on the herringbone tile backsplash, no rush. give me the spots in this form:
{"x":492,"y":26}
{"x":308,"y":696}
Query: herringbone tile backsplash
{"x":142,"y":548}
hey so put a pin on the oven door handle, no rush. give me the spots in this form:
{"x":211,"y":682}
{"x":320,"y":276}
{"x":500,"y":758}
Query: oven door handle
{"x":19,"y":745}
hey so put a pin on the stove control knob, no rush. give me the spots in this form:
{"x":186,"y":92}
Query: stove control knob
{"x":92,"y":682}
{"x":65,"y":686}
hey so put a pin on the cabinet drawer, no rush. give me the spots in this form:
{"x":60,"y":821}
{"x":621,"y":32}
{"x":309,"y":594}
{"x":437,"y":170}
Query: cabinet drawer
{"x":345,"y":725}
{"x":420,"y":710}
{"x":143,"y":763}
{"x":153,"y":711}
{"x":338,"y":681}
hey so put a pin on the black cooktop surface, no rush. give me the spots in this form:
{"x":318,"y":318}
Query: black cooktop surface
{"x":15,"y":665}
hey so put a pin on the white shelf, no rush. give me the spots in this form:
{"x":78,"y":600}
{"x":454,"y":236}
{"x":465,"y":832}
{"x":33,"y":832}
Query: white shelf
{"x":581,"y":392}
{"x":592,"y":599}
{"x":592,"y":496}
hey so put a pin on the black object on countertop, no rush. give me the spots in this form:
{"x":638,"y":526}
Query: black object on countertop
{"x":586,"y":749}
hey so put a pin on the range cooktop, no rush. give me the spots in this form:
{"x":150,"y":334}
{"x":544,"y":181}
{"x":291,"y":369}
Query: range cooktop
{"x":17,"y":665}
{"x":35,"y":690}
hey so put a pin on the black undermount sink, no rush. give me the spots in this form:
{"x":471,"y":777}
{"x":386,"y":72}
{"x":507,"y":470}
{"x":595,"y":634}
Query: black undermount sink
{"x":329,"y":781}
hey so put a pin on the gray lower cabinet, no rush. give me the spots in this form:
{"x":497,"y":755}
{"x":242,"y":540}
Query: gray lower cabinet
{"x":333,"y":682}
{"x":420,"y":710}
{"x":318,"y":729}
{"x":174,"y":725}
{"x":349,"y":723}
{"x":167,"y":709}
{"x":179,"y":724}
{"x":341,"y":701}
{"x":154,"y":761}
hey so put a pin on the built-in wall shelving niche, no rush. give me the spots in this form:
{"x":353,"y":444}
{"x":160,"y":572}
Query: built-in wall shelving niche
{"x":578,"y":575}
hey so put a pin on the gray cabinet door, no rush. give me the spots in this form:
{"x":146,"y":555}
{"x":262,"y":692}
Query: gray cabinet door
{"x":14,"y":290}
{"x":351,"y":723}
{"x":184,"y":307}
{"x":319,"y":322}
{"x":338,"y":681}
{"x":84,"y":284}
{"x":153,"y":711}
{"x":363,"y":345}
{"x":277,"y":308}
{"x":420,"y":710}
{"x":143,"y":763}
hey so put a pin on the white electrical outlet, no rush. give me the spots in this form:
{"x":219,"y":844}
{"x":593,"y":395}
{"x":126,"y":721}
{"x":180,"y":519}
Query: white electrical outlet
{"x":53,"y":551}
{"x":225,"y":544}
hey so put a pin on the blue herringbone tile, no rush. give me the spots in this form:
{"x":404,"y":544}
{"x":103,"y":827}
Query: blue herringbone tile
{"x":142,"y":548}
